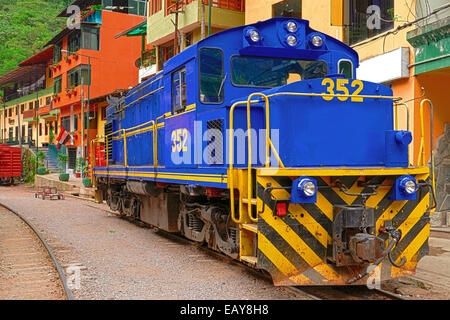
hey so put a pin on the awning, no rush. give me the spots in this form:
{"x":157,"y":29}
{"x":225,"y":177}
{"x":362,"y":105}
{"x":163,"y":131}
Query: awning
{"x":42,"y":57}
{"x":28,"y":74}
{"x":138,"y":30}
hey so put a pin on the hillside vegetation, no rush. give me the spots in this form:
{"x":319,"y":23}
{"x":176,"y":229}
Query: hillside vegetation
{"x":25,"y":26}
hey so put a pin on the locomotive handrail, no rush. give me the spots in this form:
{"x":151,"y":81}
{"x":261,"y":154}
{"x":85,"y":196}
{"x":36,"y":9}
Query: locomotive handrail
{"x":155,"y":142}
{"x":269,"y":142}
{"x":332,"y":95}
{"x":396,"y":116}
{"x":421,"y":157}
{"x":107,"y":146}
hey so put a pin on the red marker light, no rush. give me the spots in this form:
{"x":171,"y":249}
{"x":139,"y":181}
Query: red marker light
{"x":281,"y":209}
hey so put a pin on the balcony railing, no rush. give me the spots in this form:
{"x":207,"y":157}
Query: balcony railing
{"x":235,"y":5}
{"x":24,"y":92}
{"x":15,"y":141}
{"x":29,"y":114}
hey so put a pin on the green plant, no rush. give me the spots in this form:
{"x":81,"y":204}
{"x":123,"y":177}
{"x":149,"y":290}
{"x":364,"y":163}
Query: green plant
{"x":51,"y":137}
{"x":62,"y":160}
{"x":29,"y":166}
{"x":85,"y":171}
{"x":79,"y":165}
{"x":40,"y":158}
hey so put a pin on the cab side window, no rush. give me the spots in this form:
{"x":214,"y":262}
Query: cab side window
{"x":179,"y":91}
{"x":345,"y":67}
{"x":212,"y":77}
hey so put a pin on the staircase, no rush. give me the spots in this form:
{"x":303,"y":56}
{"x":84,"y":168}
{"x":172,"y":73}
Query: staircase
{"x":50,"y":162}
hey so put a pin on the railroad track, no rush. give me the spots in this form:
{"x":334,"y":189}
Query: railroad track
{"x":345,"y":293}
{"x":28,"y":268}
{"x":312,"y":292}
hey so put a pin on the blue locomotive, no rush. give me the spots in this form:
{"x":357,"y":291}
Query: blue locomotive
{"x":260,"y":143}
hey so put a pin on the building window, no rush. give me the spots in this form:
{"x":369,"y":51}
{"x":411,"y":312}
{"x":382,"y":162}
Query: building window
{"x":103,"y":114}
{"x":10,"y":112}
{"x":56,"y":86}
{"x":155,"y":6}
{"x":75,"y":122}
{"x":57,"y":56}
{"x":30,"y":105}
{"x":46,"y":129}
{"x":65,"y":123}
{"x":74,"y":41}
{"x":212,"y":79}
{"x":47,"y":101}
{"x":90,"y":37}
{"x":179,"y":90}
{"x":189,"y":37}
{"x":40,"y":129}
{"x":287,"y":9}
{"x":136,"y":7}
{"x":78,"y":76}
{"x":23,"y":131}
{"x":364,"y":25}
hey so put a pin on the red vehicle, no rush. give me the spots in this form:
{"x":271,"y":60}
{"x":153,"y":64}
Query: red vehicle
{"x":10,"y":164}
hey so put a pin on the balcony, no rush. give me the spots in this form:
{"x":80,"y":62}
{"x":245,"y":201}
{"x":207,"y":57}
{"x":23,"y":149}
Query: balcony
{"x":29,"y":115}
{"x":22,"y":97}
{"x":235,"y":5}
{"x":25,"y":92}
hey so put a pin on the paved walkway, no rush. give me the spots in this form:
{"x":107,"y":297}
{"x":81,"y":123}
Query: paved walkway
{"x":119,"y":260}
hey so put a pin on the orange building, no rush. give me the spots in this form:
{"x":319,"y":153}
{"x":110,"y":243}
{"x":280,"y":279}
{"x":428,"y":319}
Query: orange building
{"x":90,"y":49}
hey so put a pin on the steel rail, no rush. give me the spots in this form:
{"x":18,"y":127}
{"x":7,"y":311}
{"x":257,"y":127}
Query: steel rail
{"x":62,"y":277}
{"x":305,"y":291}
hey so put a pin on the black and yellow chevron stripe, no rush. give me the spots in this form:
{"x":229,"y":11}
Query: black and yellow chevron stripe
{"x":294,"y":248}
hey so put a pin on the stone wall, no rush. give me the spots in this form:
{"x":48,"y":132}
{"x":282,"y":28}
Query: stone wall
{"x":442,"y":170}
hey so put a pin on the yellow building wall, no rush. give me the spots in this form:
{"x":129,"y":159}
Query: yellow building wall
{"x":161,"y":29}
{"x":12,"y":122}
{"x":317,"y":12}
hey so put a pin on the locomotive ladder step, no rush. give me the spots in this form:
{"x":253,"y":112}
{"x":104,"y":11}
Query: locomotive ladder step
{"x":250,"y":227}
{"x":249,"y":259}
{"x":245,"y":200}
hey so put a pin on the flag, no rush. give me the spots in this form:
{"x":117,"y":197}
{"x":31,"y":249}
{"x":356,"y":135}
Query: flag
{"x":62,"y":137}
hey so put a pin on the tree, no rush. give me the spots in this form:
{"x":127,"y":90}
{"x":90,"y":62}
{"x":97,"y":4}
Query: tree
{"x":25,"y":27}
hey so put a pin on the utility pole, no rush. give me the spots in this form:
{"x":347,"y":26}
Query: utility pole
{"x":176,"y":40}
{"x":209,"y":18}
{"x":203,"y":21}
{"x":37,"y":127}
{"x":19,"y":131}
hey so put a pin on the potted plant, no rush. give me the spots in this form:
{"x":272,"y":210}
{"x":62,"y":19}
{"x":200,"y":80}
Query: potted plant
{"x":86,"y":179}
{"x":62,"y":160}
{"x":78,"y":167}
{"x":40,"y":159}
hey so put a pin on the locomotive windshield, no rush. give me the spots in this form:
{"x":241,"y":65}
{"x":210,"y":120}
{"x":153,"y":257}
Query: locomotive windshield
{"x":274,"y":72}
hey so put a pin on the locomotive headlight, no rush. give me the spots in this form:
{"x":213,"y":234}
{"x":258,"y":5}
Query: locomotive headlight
{"x":408,"y":186}
{"x":291,"y":26}
{"x":304,"y":190}
{"x":254,"y":35}
{"x":317,"y":41}
{"x":405,"y":188}
{"x":307,"y":187}
{"x":291,"y":40}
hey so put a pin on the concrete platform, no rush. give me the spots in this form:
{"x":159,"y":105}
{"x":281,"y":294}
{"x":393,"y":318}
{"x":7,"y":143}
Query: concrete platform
{"x":72,"y":187}
{"x":434,"y":268}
